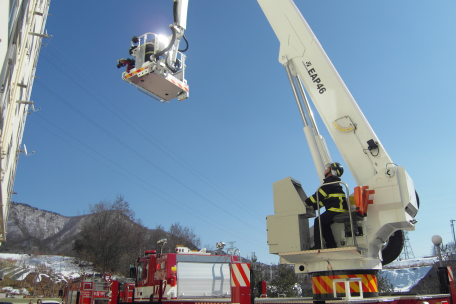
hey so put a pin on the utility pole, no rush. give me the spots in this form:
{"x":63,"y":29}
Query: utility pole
{"x":232,"y":245}
{"x":407,"y":252}
{"x":453,"y":248}
{"x":452,"y":226}
{"x":437,"y":241}
{"x":253,"y":260}
{"x":53,"y":284}
{"x":36,"y":278}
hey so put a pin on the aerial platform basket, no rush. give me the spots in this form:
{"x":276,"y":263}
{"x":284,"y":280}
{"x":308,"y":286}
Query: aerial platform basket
{"x":157,"y":83}
{"x":158,"y":67}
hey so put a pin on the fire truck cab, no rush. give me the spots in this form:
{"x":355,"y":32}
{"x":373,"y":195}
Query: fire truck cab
{"x":92,"y":289}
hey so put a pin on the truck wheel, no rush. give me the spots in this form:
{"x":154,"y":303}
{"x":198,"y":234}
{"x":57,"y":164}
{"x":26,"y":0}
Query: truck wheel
{"x":393,"y":248}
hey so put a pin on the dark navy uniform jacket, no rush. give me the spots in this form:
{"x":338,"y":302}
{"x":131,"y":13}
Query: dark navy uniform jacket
{"x":332,"y":197}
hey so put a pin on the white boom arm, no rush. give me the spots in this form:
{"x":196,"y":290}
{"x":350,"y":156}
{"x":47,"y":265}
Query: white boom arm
{"x":343,"y":118}
{"x":394,"y":202}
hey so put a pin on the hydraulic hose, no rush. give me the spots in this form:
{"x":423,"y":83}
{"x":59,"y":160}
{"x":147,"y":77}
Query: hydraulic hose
{"x":175,"y":16}
{"x":175,"y":69}
{"x":186,"y":41}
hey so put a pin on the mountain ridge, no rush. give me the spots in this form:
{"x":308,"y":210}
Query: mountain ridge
{"x":33,"y":230}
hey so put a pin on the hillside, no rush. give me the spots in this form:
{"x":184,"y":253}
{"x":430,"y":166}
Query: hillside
{"x":31,"y":230}
{"x":46,"y":274}
{"x":34,"y":231}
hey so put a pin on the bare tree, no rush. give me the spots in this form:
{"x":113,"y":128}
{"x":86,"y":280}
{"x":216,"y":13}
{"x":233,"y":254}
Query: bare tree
{"x":111,"y":237}
{"x":177,"y":235}
{"x":185,"y":236}
{"x":448,"y":251}
{"x":157,"y":234}
{"x":257,"y":275}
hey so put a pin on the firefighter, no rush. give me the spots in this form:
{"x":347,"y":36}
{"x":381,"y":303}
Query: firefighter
{"x":333,"y":198}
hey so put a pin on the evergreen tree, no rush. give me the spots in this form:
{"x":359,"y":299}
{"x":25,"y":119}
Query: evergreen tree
{"x":285,"y":282}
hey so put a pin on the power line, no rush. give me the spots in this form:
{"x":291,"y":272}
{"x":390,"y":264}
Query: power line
{"x":140,"y":155}
{"x":434,"y":196}
{"x":242,"y":206}
{"x":430,"y":217}
{"x":428,"y":238}
{"x":166,"y":200}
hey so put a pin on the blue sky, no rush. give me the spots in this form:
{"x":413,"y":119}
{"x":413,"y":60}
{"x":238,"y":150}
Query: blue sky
{"x":209,"y":162}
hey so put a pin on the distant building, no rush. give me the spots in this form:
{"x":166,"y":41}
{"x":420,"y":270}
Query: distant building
{"x":22,"y":25}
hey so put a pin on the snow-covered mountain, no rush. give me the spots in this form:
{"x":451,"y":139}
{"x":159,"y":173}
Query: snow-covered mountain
{"x":31,"y":230}
{"x":34,"y":231}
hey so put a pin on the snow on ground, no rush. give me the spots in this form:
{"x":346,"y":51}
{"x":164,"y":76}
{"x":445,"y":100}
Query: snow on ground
{"x":62,"y":267}
{"x":401,"y":274}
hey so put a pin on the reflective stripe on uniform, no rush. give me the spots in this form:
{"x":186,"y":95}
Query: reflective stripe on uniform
{"x":337,"y":195}
{"x":325,"y":196}
{"x":313,"y":200}
{"x":338,"y":210}
{"x":341,"y":197}
{"x":323,"y":193}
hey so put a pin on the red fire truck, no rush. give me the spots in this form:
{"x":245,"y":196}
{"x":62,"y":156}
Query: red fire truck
{"x":185,"y":276}
{"x":97,"y":289}
{"x":188,"y":275}
{"x":198,"y":277}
